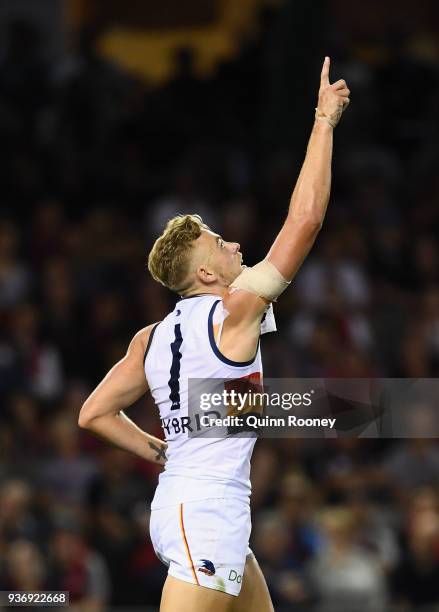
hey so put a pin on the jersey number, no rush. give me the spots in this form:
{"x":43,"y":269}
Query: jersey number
{"x":174,"y":381}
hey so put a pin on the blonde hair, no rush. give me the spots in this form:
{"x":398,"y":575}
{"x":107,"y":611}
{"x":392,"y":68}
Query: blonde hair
{"x":169,"y":259}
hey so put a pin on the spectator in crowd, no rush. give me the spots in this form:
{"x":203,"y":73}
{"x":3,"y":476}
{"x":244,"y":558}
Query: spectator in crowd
{"x":81,"y":571}
{"x":344,"y":577}
{"x":415,"y":579}
{"x":65,"y":474}
{"x":24,"y":568}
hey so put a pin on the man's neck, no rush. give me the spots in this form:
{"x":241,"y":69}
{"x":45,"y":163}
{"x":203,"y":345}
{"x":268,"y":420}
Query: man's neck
{"x":219,"y":291}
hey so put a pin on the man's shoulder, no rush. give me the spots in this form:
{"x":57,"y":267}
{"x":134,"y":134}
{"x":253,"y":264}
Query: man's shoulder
{"x":143,"y":337}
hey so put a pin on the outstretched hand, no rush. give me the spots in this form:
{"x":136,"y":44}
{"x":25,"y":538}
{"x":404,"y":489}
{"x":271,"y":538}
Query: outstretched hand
{"x":333,"y":99}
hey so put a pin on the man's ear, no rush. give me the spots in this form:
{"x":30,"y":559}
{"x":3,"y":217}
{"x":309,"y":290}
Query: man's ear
{"x":205,"y":276}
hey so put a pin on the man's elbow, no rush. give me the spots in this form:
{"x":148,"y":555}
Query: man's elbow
{"x":85,"y":417}
{"x":91,"y":416}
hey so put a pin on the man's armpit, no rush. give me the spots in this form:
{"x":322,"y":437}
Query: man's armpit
{"x":243,"y":306}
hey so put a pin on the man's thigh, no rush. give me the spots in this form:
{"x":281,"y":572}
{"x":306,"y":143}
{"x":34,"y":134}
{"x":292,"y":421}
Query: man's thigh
{"x":254,"y":593}
{"x":181,"y":596}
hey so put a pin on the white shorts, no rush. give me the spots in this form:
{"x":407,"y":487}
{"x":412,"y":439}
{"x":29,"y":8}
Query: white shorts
{"x":204,"y":542}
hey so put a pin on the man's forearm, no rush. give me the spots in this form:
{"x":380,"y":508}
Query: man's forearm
{"x":121,"y":431}
{"x":311,"y":194}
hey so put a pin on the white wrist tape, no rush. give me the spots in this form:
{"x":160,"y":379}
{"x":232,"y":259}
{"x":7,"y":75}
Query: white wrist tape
{"x":331,"y":119}
{"x":263,"y":279}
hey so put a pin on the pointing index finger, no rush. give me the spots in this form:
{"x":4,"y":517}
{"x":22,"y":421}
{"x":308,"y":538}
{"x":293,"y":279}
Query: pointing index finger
{"x":324,"y":77}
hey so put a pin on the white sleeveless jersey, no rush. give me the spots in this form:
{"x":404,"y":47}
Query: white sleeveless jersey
{"x":183,"y":346}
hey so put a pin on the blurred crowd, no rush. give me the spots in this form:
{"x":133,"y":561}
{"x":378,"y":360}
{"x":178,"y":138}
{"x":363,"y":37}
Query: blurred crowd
{"x":94,"y":162}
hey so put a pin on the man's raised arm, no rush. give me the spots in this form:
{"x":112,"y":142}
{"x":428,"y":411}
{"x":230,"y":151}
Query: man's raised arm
{"x":311,"y":194}
{"x":264,"y":282}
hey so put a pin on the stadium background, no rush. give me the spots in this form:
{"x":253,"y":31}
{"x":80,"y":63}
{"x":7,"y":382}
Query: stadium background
{"x":113,"y":117}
